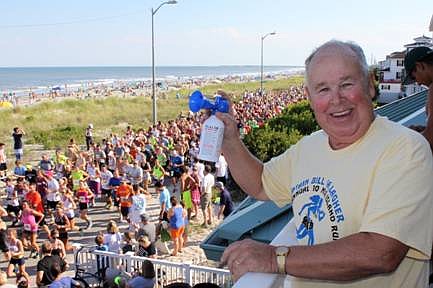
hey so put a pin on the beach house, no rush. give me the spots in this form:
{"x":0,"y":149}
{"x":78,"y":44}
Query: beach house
{"x":390,"y":77}
{"x":392,"y":73}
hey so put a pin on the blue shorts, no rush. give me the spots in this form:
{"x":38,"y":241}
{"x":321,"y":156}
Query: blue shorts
{"x":17,"y":261}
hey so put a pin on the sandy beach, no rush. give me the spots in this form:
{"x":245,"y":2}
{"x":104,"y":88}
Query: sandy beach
{"x":123,"y":88}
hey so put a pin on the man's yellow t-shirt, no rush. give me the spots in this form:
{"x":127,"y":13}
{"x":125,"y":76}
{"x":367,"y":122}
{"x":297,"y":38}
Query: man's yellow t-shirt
{"x":383,"y":183}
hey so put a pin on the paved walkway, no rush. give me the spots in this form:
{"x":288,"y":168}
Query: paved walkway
{"x":192,"y":253}
{"x":100,"y":215}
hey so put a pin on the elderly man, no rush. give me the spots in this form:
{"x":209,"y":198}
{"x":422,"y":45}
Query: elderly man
{"x":146,"y":228}
{"x":361,"y":188}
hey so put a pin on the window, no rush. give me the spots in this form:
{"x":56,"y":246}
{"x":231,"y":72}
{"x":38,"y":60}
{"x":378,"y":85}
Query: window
{"x":400,"y":62}
{"x":398,"y":75}
{"x":385,"y":87}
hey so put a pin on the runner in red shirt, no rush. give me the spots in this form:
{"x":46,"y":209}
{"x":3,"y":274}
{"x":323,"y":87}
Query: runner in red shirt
{"x":84,"y":196}
{"x":33,"y":197}
{"x":123,"y":195}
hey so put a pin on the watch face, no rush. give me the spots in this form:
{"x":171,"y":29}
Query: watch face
{"x":281,"y":250}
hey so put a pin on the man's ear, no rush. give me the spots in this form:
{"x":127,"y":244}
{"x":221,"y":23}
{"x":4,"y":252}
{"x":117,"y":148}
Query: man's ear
{"x":307,"y":93}
{"x":420,"y":66}
{"x":371,"y":88}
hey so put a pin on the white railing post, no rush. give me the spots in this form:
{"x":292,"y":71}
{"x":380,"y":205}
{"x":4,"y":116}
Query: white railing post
{"x":187,"y":273}
{"x":128,"y":263}
{"x":166,"y":271}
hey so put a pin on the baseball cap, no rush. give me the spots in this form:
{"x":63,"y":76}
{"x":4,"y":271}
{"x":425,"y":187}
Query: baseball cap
{"x":219,"y":184}
{"x":145,"y":217}
{"x":415,"y":55}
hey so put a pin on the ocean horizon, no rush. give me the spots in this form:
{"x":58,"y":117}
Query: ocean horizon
{"x":22,"y":79}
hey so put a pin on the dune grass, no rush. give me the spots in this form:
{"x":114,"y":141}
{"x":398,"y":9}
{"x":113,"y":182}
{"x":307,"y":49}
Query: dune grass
{"x":53,"y":123}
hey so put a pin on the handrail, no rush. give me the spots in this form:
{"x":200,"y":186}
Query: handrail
{"x":166,"y":272}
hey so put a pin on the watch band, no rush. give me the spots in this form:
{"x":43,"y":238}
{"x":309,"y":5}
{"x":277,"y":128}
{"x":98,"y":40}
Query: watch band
{"x":282,"y":252}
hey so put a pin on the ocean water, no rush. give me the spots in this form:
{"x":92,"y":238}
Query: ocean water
{"x":22,"y":79}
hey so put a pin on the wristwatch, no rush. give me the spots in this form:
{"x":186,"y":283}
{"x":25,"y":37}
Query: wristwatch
{"x":282,"y":252}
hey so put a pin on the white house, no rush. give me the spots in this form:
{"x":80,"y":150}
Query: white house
{"x":391,"y":75}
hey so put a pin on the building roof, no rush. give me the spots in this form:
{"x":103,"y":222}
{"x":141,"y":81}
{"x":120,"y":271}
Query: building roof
{"x":263,"y":220}
{"x":422,"y":38}
{"x":420,"y":41}
{"x":397,"y":55}
{"x":258,"y":220}
{"x":418,"y":44}
{"x":402,"y":109}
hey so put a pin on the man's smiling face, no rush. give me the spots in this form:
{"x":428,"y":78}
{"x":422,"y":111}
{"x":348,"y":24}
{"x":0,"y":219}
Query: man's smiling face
{"x":340,"y":95}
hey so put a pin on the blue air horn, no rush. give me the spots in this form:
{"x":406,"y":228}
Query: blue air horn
{"x":212,"y":131}
{"x":197,"y":101}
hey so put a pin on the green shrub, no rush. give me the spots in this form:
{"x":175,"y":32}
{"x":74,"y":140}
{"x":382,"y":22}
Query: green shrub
{"x":266,"y":142}
{"x":298,"y":116}
{"x":57,"y":137}
{"x":279,"y":133}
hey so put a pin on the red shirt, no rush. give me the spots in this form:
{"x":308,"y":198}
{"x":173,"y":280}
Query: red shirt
{"x":124,"y":193}
{"x":35,"y":200}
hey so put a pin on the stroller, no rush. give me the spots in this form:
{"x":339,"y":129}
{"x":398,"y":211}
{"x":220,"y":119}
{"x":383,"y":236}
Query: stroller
{"x":89,"y":268}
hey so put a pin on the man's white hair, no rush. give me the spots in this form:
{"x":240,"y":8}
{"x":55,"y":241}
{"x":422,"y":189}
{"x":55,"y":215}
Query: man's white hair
{"x":352,"y":46}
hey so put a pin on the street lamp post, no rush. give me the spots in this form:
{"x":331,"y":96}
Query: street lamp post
{"x":154,"y":112}
{"x":261,"y":61}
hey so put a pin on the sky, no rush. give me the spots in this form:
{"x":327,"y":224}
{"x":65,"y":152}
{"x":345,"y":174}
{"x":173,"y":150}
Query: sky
{"x":200,"y":32}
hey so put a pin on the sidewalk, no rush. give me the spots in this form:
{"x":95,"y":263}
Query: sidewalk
{"x":192,"y":253}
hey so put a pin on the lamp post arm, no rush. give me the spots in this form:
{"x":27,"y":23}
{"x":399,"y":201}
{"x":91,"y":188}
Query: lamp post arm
{"x":154,"y":108}
{"x":160,"y":5}
{"x":261,"y":60}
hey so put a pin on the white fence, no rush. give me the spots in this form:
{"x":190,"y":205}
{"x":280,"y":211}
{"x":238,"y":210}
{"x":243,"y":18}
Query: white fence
{"x":166,"y":272}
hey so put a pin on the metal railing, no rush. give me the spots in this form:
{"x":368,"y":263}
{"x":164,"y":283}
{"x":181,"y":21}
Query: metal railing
{"x":166,"y":272}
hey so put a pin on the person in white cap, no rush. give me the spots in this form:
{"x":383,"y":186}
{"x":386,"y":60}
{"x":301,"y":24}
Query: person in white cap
{"x":226,"y":202}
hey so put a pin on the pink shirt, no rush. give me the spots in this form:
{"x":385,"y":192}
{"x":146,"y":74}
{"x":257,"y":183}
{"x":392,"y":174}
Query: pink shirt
{"x":29,"y":221}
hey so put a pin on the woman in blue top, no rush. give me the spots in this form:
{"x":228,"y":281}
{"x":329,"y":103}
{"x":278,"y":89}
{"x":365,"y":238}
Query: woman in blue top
{"x":176,"y":215}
